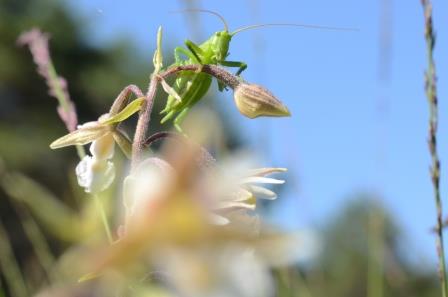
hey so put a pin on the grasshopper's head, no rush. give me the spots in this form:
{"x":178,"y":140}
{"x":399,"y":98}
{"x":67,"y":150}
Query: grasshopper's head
{"x":221,"y":44}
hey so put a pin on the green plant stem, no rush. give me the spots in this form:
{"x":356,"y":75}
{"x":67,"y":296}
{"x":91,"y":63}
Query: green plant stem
{"x":431,"y":94}
{"x":38,"y":241}
{"x":100,"y":207}
{"x":80,"y":151}
{"x":10,"y":268}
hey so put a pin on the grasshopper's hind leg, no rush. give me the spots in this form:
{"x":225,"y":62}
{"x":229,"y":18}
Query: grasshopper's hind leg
{"x":241,"y":65}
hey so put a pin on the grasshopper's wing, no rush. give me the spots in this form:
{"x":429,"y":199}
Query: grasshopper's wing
{"x":193,"y":95}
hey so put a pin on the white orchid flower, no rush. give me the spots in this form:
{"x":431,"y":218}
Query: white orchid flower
{"x":96,"y":173}
{"x":242,"y":193}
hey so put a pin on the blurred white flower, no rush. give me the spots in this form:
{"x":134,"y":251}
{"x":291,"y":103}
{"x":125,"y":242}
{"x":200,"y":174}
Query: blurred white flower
{"x":241,"y":192}
{"x":221,"y":195}
{"x":168,"y":229}
{"x":144,"y":186}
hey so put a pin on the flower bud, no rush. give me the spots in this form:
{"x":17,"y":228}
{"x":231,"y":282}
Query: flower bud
{"x":253,"y":101}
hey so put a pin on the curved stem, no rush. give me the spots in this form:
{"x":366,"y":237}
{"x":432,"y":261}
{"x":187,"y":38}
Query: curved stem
{"x":160,"y":135}
{"x":138,"y":144}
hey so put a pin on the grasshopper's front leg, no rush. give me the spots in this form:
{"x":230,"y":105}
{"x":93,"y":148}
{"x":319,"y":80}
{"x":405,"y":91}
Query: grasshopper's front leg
{"x":195,"y":50}
{"x":182,"y":51}
{"x":241,"y":65}
{"x":198,"y":53}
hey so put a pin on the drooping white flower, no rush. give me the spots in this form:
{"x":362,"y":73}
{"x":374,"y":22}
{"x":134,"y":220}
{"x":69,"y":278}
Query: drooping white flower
{"x":96,"y":173}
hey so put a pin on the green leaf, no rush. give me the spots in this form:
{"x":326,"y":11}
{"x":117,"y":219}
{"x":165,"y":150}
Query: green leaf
{"x":81,"y":136}
{"x":158,"y":58}
{"x":129,"y":110}
{"x":60,"y":220}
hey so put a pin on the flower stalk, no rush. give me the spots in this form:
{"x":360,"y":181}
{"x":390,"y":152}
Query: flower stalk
{"x":103,"y":215}
{"x":431,"y":94}
{"x":269,"y":106}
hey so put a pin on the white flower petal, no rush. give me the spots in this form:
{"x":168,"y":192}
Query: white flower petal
{"x":103,"y":147}
{"x":106,"y":178}
{"x":84,"y":172}
{"x":234,"y":204}
{"x":95,"y":175}
{"x":261,"y":180}
{"x":239,"y":194}
{"x":265,"y":171}
{"x":88,"y":125}
{"x":262,"y":193}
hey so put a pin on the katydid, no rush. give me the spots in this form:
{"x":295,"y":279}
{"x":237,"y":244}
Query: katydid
{"x":192,"y":86}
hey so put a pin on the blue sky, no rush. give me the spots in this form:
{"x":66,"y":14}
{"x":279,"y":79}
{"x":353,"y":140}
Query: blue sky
{"x":350,"y":131}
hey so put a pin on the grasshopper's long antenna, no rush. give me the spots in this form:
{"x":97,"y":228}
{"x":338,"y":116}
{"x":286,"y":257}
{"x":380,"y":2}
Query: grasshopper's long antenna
{"x":292,"y":25}
{"x":205,"y":11}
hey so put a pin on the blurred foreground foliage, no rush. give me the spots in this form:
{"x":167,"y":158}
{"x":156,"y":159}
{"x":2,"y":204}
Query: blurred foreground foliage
{"x":362,"y":252}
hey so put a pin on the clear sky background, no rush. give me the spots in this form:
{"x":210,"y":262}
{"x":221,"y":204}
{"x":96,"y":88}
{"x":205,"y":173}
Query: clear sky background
{"x":359,"y":111}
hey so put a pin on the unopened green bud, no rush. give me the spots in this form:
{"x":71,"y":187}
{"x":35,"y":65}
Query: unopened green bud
{"x":255,"y":101}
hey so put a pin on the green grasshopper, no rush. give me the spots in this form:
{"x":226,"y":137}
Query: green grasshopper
{"x":192,"y":86}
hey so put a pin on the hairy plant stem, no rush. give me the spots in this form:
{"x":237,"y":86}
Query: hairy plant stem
{"x":123,"y":99}
{"x":143,"y":122}
{"x":431,"y":94}
{"x":138,"y":144}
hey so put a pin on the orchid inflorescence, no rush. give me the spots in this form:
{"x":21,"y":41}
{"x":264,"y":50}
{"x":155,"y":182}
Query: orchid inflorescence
{"x":172,"y":198}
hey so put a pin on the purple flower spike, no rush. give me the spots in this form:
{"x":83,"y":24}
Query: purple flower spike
{"x":37,"y":41}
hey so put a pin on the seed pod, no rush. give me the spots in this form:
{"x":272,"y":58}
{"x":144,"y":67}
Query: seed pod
{"x":254,"y":100}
